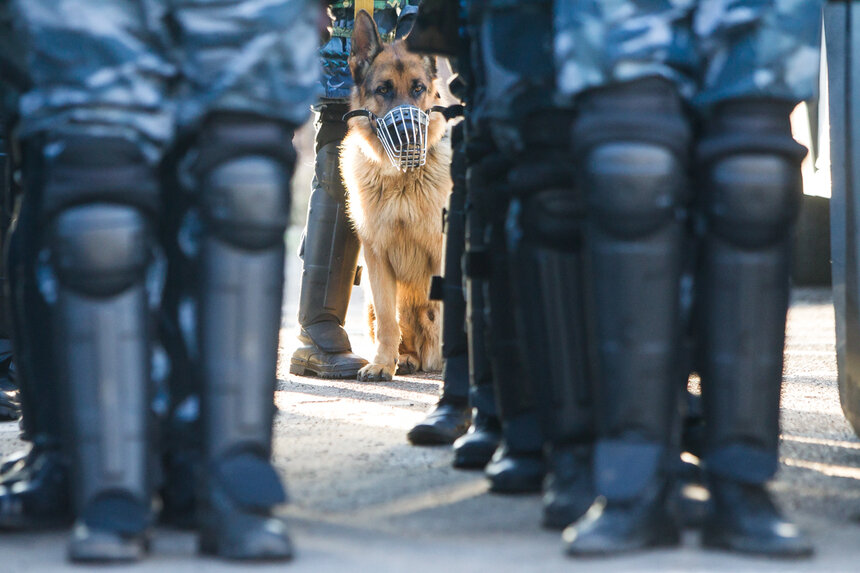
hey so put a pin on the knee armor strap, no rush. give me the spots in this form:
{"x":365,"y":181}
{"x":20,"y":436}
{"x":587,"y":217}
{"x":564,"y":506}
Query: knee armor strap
{"x":88,"y":170}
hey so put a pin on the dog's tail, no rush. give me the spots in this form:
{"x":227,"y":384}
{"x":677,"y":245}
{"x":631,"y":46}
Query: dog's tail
{"x":371,"y":321}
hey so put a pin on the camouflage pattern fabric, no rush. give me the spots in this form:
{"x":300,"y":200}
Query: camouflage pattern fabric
{"x":714,"y":50}
{"x":140,"y":69}
{"x":337,"y":80}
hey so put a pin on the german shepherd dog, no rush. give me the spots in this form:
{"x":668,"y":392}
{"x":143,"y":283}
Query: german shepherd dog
{"x":395,"y":212}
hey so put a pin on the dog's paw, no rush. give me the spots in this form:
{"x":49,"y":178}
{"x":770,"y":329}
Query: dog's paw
{"x":408,"y":364}
{"x":376,"y":373}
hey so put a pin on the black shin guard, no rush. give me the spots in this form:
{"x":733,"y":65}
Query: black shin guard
{"x":98,"y":201}
{"x":545,"y":238}
{"x":751,"y":179}
{"x":750,"y":173}
{"x":244,"y":169}
{"x":518,"y":466}
{"x":632,"y":145}
{"x":454,"y":340}
{"x":475,"y":449}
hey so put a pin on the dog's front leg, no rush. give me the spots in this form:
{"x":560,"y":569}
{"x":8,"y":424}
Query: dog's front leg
{"x":383,"y":288}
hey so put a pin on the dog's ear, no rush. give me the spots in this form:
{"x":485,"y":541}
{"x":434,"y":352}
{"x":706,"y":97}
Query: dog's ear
{"x":366,"y":45}
{"x":430,"y":66}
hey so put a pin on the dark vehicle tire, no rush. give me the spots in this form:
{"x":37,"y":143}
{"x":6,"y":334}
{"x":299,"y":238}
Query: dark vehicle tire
{"x":843,"y":84}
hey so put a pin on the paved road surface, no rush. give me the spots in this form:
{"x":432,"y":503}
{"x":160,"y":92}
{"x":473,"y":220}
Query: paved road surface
{"x":364,"y":500}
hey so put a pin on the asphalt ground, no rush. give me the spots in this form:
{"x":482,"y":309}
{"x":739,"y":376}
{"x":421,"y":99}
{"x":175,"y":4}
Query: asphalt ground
{"x":363,"y":499}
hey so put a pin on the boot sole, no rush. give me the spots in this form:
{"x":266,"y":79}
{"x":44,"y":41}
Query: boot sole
{"x":301,"y":369}
{"x":736,"y":544}
{"x":664,"y":538}
{"x":106,"y":553}
{"x":428,"y":437}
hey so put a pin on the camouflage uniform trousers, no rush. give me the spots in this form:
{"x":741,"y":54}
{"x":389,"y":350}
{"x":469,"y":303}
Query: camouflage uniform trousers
{"x":143,"y":69}
{"x":713,"y":50}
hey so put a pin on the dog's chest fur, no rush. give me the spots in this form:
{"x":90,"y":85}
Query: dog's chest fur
{"x":398,"y":215}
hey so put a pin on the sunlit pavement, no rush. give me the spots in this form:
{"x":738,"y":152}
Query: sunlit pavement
{"x":362,"y":499}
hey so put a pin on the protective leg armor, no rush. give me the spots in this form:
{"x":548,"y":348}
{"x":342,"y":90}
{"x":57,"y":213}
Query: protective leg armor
{"x":243,"y":171}
{"x":632,"y":143}
{"x":750,"y":170}
{"x":450,"y":417}
{"x":329,"y":253}
{"x":518,"y":465}
{"x":98,"y":201}
{"x":545,"y":239}
{"x":475,"y":449}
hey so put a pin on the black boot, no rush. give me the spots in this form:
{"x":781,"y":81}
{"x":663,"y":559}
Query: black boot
{"x":518,"y":464}
{"x":243,"y":176}
{"x":743,"y":518}
{"x":632,"y":149}
{"x":513,"y":472}
{"x":753,"y":196}
{"x":613,"y":527}
{"x":34,"y":491}
{"x":329,"y":253}
{"x":450,"y":418}
{"x":568,"y":489}
{"x":475,"y":449}
{"x":446,"y":422}
{"x":10,"y":400}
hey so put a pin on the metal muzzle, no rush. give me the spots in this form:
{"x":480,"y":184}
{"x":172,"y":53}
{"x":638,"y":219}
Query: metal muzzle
{"x":403,"y":133}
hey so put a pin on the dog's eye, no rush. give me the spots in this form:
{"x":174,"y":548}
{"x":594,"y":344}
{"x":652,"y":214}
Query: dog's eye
{"x":418,"y":90}
{"x":382,"y":90}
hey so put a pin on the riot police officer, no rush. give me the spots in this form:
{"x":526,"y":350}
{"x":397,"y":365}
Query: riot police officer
{"x":114,"y":90}
{"x":504,"y":438}
{"x":682,"y":140}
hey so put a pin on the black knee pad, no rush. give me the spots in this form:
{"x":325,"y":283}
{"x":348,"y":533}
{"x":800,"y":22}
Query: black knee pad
{"x":634,"y":188}
{"x":548,"y":206}
{"x":101,"y":249}
{"x":632,"y":146}
{"x":244,"y":166}
{"x":750,"y":171}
